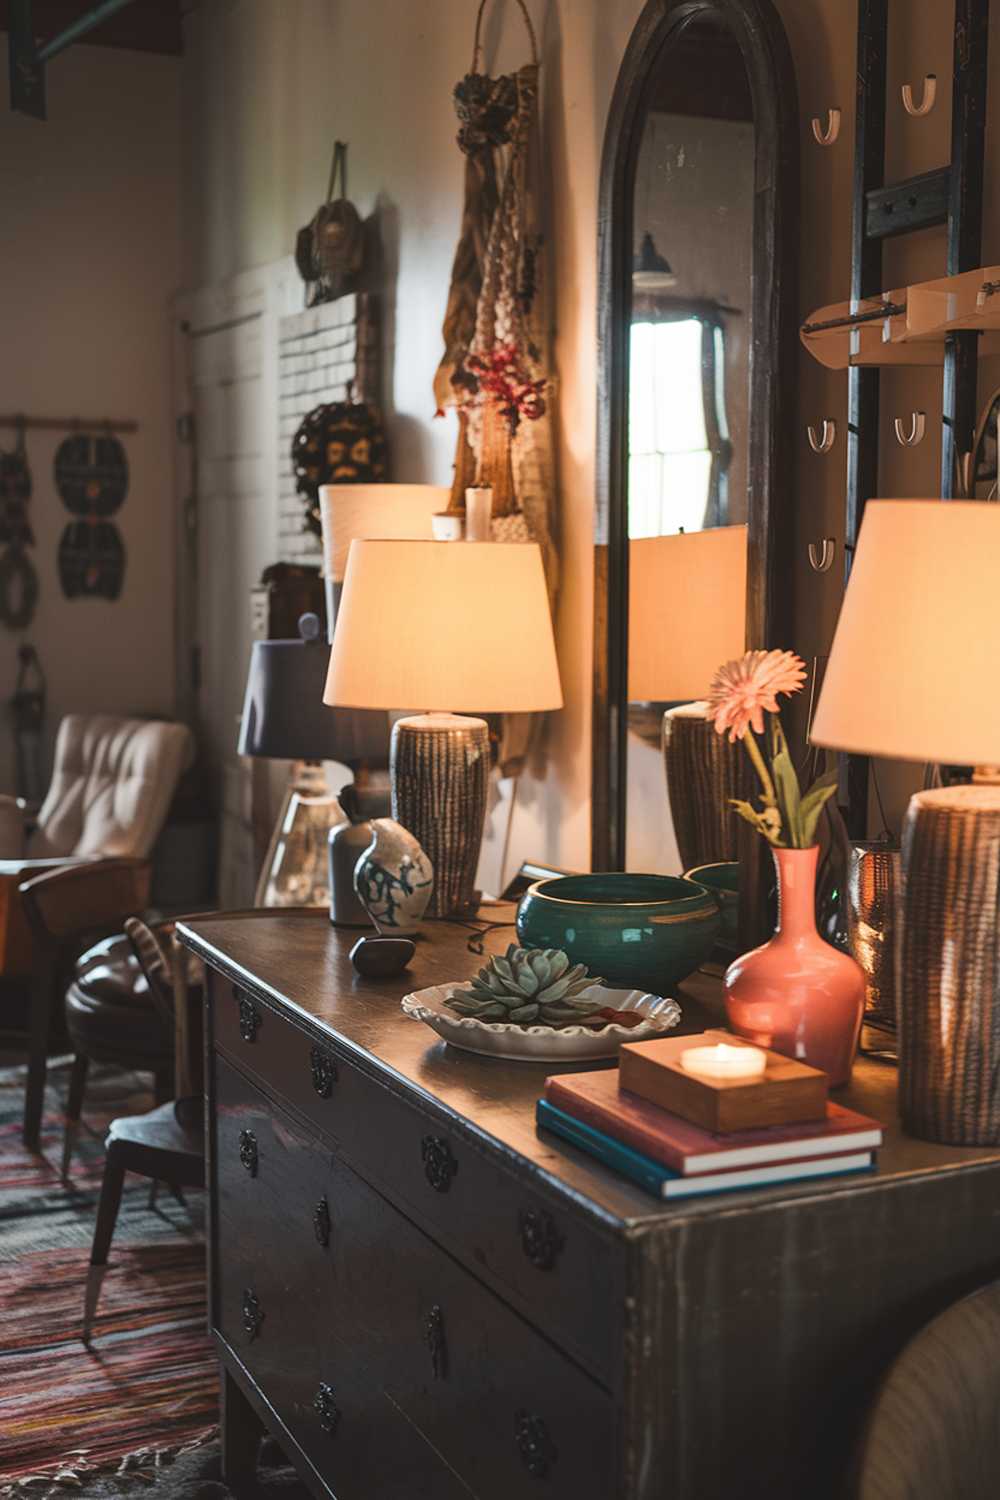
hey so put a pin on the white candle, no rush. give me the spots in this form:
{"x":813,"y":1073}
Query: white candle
{"x":725,"y":1063}
{"x":478,"y":511}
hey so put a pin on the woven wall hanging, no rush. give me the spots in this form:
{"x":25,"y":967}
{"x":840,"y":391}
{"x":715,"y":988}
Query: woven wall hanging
{"x":342,"y":442}
{"x":330,"y":250}
{"x":496,"y":368}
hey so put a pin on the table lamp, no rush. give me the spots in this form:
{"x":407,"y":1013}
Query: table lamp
{"x":284,"y":717}
{"x":687,"y":615}
{"x":449,"y":627}
{"x":912,"y":674}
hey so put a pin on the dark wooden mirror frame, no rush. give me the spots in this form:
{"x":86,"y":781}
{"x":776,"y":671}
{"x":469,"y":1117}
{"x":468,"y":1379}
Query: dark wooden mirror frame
{"x":761,"y":37}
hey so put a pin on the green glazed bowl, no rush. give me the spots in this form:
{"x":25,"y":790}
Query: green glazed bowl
{"x":645,"y":932}
{"x":724,"y":881}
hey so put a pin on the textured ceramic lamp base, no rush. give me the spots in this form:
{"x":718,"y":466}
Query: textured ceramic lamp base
{"x":948,"y":994}
{"x":703,"y":771}
{"x":440,"y":765}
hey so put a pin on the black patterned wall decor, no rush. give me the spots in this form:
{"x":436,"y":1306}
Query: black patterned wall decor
{"x":91,"y":474}
{"x":18,"y":579}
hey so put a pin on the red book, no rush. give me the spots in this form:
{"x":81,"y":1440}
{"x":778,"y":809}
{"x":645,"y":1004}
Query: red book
{"x":596,"y":1099}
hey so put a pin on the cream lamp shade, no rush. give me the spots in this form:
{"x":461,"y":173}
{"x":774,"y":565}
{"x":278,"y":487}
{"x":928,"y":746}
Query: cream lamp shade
{"x":452,"y":626}
{"x":687,"y":611}
{"x":913,"y":667}
{"x":352,"y":511}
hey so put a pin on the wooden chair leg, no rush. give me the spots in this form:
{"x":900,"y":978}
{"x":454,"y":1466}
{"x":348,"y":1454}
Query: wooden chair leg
{"x":74,"y":1108}
{"x":241,"y":1432}
{"x":107,"y":1215}
{"x":42,"y":1009}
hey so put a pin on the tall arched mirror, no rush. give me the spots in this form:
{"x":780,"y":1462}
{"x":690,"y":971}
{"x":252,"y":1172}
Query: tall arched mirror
{"x":697,"y":317}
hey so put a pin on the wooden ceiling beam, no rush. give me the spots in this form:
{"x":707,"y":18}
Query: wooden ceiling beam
{"x":142,"y":26}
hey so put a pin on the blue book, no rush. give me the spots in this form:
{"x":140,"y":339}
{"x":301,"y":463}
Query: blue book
{"x":663,"y":1183}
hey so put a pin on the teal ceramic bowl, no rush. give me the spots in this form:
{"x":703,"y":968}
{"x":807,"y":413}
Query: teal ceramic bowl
{"x":724,"y":881}
{"x":643,"y":932}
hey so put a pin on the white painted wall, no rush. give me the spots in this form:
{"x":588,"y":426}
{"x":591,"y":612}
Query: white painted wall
{"x":89,"y":256}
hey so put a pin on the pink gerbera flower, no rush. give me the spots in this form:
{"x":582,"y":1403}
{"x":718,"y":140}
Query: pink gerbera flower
{"x":741,"y":690}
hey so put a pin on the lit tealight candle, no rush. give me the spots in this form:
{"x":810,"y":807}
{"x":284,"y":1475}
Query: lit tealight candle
{"x":724,"y":1063}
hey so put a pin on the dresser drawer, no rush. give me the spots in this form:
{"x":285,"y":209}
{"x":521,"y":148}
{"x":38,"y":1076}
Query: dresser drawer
{"x":340,"y":1308}
{"x":280,"y":1305}
{"x":509,"y":1413}
{"x":556,"y":1267}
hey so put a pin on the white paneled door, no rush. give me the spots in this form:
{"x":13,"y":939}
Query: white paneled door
{"x":227,"y":354}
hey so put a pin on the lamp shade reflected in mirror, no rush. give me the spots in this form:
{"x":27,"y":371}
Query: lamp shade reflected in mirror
{"x":687,"y":612}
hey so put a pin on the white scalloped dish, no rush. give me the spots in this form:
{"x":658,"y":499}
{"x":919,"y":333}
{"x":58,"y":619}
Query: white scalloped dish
{"x":544,"y":1043}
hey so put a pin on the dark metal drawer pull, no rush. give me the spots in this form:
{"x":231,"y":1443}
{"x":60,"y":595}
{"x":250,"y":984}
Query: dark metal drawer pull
{"x":540,"y":1239}
{"x":248,"y":1151}
{"x":435,"y":1341}
{"x":326,"y":1406}
{"x":324,"y":1072}
{"x":250,"y":1017}
{"x":439,"y":1164}
{"x":321,"y":1222}
{"x":537,"y":1450}
{"x":253,"y":1317}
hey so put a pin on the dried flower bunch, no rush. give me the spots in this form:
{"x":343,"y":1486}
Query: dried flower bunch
{"x":741,"y":694}
{"x":502,"y":378}
{"x":528,"y":987}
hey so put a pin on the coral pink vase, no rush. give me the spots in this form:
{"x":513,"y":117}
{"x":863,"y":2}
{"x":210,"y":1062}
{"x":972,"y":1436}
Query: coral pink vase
{"x":796,"y":994}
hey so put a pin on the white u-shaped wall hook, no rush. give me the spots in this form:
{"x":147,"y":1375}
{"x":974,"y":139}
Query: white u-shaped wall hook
{"x":829,"y":135}
{"x":918,"y":426}
{"x":926,"y":100}
{"x":825,"y":441}
{"x":822,"y":561}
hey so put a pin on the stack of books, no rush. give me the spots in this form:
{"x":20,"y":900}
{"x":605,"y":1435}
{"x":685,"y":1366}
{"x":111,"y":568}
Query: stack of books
{"x":674,"y":1158}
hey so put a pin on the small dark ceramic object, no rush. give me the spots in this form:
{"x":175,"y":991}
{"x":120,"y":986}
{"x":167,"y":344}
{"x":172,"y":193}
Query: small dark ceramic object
{"x":379,"y":957}
{"x":348,"y":841}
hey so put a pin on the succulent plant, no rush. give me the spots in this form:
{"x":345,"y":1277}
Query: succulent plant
{"x":528,"y":985}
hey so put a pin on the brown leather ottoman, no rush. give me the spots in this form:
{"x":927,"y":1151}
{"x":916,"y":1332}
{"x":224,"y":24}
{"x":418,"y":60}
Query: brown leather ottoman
{"x":110,"y":1015}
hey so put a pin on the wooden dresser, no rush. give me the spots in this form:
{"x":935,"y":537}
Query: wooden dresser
{"x":424,"y":1299}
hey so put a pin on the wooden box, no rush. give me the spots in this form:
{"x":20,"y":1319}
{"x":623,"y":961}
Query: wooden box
{"x":788,"y":1093}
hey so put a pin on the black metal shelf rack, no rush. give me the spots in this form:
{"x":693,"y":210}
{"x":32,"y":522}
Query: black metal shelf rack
{"x":951,"y":195}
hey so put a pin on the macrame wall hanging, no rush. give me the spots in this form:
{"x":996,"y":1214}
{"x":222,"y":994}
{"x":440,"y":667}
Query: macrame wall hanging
{"x":496,"y":368}
{"x":91,"y":474}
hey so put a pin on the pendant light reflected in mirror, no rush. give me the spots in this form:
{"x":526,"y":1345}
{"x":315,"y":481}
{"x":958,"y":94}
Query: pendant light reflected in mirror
{"x":651,"y":271}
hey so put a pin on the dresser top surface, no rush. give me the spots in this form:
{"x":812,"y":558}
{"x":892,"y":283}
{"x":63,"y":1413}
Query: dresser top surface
{"x":301,"y":962}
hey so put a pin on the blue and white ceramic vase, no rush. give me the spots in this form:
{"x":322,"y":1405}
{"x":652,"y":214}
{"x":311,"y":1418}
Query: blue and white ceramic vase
{"x":394,"y":879}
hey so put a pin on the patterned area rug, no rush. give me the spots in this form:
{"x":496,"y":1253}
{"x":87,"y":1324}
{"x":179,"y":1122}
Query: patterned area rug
{"x":137,"y":1410}
{"x":147,"y":1388}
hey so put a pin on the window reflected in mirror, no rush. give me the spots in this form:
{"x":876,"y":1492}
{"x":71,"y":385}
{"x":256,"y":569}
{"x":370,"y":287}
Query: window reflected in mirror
{"x":688,"y":413}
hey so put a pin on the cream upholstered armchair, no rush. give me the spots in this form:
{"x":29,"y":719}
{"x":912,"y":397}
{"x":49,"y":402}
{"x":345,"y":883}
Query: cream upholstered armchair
{"x":112,"y":782}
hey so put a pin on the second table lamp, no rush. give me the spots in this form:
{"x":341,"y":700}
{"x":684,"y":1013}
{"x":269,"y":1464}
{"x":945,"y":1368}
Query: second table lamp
{"x":450,"y":627}
{"x":912,"y":674}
